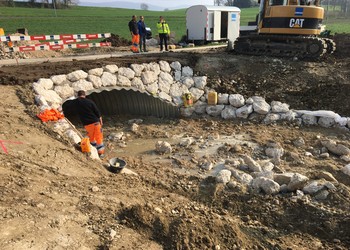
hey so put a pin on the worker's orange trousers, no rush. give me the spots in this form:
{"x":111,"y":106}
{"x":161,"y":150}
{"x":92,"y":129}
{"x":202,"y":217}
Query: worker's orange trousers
{"x":135,"y":43}
{"x":95,"y":134}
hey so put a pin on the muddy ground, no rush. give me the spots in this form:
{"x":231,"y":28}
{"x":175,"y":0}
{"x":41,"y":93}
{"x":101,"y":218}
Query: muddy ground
{"x":54,"y":197}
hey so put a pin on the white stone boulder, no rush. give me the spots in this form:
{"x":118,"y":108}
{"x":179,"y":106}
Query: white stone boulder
{"x":222,"y":98}
{"x":177,"y":90}
{"x":309,"y":119}
{"x":123,"y":81}
{"x":137,"y":83}
{"x":126,"y":72}
{"x":176,"y":66}
{"x":313,"y":187}
{"x":165,"y":80}
{"x":73,"y":136}
{"x":58,"y":79}
{"x":51,"y":97}
{"x":149,"y":77}
{"x":163,"y":147}
{"x":253,"y":166}
{"x":271,"y":118}
{"x":267,"y":185}
{"x":236,"y":100}
{"x":279,"y":107}
{"x":275,"y":151}
{"x":164,"y":66}
{"x":215,"y":110}
{"x":196,"y":93}
{"x":188,"y":82}
{"x":40,"y":100}
{"x":177,"y":75}
{"x":187,"y":112}
{"x":229,"y":113}
{"x":77,"y":75}
{"x":335,"y":148}
{"x":82,"y":85}
{"x":152,"y":88}
{"x":137,"y":68}
{"x":260,"y":106}
{"x":326,"y":122}
{"x":241,"y":177}
{"x":346,"y":170}
{"x":297,"y":182}
{"x":96,"y":72}
{"x":111,"y":68}
{"x":288,"y":116}
{"x":95,"y":80}
{"x":108,"y":79}
{"x":64,"y":91}
{"x":223,"y":176}
{"x":200,"y":107}
{"x":154,"y":67}
{"x":45,"y":83}
{"x":200,"y":82}
{"x":244,"y":112}
{"x":165,"y":96}
{"x":187,"y":71}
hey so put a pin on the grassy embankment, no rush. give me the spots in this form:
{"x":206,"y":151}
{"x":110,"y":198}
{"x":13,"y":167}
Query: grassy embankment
{"x":102,"y":20}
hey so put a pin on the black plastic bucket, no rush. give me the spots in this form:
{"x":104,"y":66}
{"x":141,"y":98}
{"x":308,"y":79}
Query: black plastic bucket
{"x":116,"y":165}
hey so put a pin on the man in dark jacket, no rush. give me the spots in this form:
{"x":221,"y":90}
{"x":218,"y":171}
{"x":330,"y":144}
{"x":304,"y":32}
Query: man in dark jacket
{"x":143,"y":33}
{"x":91,"y":118}
{"x":134,"y":31}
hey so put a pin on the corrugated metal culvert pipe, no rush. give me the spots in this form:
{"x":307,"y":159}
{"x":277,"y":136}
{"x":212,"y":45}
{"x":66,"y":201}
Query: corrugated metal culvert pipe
{"x":126,"y":101}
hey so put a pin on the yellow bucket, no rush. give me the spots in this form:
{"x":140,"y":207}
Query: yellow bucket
{"x":212,"y":98}
{"x":2,"y":32}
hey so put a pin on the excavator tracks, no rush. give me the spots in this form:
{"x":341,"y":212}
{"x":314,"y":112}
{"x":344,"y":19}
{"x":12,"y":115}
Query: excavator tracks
{"x":284,"y":46}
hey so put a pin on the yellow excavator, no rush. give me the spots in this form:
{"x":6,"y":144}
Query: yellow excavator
{"x":289,"y":28}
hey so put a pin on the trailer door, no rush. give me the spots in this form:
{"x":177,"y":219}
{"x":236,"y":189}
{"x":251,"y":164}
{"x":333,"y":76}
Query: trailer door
{"x":217,"y":25}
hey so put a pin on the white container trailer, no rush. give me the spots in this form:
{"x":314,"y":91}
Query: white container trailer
{"x":212,"y":23}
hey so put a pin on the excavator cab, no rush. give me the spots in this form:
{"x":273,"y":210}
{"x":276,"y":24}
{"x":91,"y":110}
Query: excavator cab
{"x":287,"y":28}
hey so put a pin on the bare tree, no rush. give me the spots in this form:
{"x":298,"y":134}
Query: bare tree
{"x":144,"y":6}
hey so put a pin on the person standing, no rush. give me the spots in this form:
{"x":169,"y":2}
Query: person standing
{"x":91,"y":118}
{"x":142,"y":33}
{"x":163,"y":31}
{"x":134,"y":31}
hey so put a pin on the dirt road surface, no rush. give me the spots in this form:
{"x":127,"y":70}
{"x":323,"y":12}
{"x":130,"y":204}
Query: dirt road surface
{"x":54,"y":197}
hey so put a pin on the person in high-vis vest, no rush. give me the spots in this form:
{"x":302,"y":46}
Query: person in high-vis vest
{"x":134,"y":31}
{"x":91,"y":118}
{"x":164,"y":32}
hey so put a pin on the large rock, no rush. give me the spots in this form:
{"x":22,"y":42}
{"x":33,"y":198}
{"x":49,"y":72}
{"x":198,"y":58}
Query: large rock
{"x":222,"y":98}
{"x":111,"y":68}
{"x":176,"y":66}
{"x":187,"y":71}
{"x":297,"y":182}
{"x":164,"y":66}
{"x":40,"y":100}
{"x":335,"y":148}
{"x":325,"y":175}
{"x":215,"y":110}
{"x":241,"y":176}
{"x":228,"y":113}
{"x":51,"y":97}
{"x":271,"y":118}
{"x":177,"y":90}
{"x":268,"y":186}
{"x":223,"y":176}
{"x":279,"y":107}
{"x":177,"y":75}
{"x":253,"y":166}
{"x":137,"y":83}
{"x":283,"y":179}
{"x":64,"y":91}
{"x":236,"y":100}
{"x":275,"y":151}
{"x":108,"y":79}
{"x":326,"y":122}
{"x":289,"y":116}
{"x":187,"y":112}
{"x":95,"y":80}
{"x":77,"y":75}
{"x":196,"y":93}
{"x":309,"y":119}
{"x":188,"y":82}
{"x":123,"y":81}
{"x":149,"y":77}
{"x":96,"y":72}
{"x":163,"y":147}
{"x":165,"y":96}
{"x":260,"y":106}
{"x":200,"y":82}
{"x":346,"y":170}
{"x":164,"y":82}
{"x":154,"y":67}
{"x":244,"y":112}
{"x":137,"y":68}
{"x":127,"y":72}
{"x":59,"y":79}
{"x":45,"y":83}
{"x":313,"y":187}
{"x":200,"y":107}
{"x":82,"y":85}
{"x":152,"y":88}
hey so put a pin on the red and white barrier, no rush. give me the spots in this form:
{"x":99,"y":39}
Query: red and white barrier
{"x":54,"y":37}
{"x":56,"y":47}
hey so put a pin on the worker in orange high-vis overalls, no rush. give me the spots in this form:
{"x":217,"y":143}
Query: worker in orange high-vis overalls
{"x":134,"y":31}
{"x":91,"y":118}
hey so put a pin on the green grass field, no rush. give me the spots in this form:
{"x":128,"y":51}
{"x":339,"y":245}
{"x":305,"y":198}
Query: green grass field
{"x":104,"y":20}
